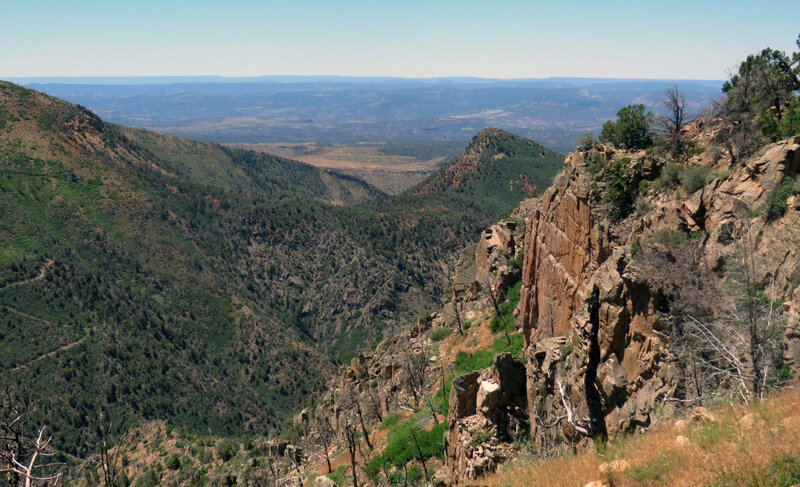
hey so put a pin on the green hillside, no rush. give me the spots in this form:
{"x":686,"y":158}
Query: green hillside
{"x":153,"y":277}
{"x":496,"y":171}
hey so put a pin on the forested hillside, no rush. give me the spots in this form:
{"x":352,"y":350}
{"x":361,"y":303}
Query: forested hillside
{"x":151,"y":277}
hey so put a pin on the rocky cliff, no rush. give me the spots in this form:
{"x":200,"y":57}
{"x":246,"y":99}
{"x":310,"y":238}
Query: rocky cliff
{"x":572,"y":245}
{"x":603,"y":310}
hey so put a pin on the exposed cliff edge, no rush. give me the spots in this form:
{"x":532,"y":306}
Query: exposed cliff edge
{"x":627,"y":360}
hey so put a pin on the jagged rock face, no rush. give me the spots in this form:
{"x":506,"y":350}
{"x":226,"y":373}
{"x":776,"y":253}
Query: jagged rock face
{"x":486,"y":409}
{"x":571,"y":246}
{"x":563,"y":247}
{"x":479,"y":262}
{"x":722,"y":209}
{"x":636,"y":370}
{"x":791,"y":355}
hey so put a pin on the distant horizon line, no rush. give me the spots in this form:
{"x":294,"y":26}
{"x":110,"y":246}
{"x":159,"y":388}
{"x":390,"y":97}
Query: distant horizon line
{"x":162,"y":79}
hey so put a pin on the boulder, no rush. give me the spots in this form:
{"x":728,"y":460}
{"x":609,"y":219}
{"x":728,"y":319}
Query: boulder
{"x":750,"y":421}
{"x":510,"y":374}
{"x":463,"y":396}
{"x":490,"y":397}
{"x":440,"y":479}
{"x":702,"y":415}
{"x":324,"y":481}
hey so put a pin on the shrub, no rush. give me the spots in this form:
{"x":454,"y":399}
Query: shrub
{"x":694,"y":178}
{"x":775,"y":205}
{"x":389,"y":421}
{"x":466,"y":362}
{"x":173,"y":462}
{"x":596,"y":162}
{"x":670,"y":238}
{"x":401,"y":448}
{"x":502,"y":345}
{"x":480,"y":436}
{"x":507,"y":322}
{"x":226,"y":450}
{"x":373,"y":469}
{"x":440,"y":334}
{"x":586,"y":142}
{"x":636,"y":247}
{"x":670,"y":177}
{"x":619,"y":191}
{"x":788,"y":125}
{"x":516,"y":263}
{"x":443,"y":396}
{"x":339,"y":475}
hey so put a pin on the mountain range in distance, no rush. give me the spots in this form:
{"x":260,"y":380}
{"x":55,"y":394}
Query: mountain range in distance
{"x":351,"y":110}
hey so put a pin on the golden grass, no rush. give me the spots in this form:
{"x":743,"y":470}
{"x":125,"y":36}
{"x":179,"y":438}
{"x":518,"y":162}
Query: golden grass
{"x":725,"y":452}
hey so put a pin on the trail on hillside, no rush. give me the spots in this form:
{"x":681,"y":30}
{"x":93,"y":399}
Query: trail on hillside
{"x":25,"y":315}
{"x":42,"y":272}
{"x":62,"y":348}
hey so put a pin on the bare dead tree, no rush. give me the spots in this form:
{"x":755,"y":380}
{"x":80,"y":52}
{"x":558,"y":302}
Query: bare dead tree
{"x":419,"y":450}
{"x":675,"y":121}
{"x":351,"y":438}
{"x":457,"y":304}
{"x":431,"y":407}
{"x":325,"y":432}
{"x":16,"y":444}
{"x":376,"y":407}
{"x":26,"y":471}
{"x":361,"y":418}
{"x":416,"y":368}
{"x":570,"y":412}
{"x":108,"y":457}
{"x":751,"y":310}
{"x":724,"y":331}
{"x":494,"y":293}
{"x":12,"y":436}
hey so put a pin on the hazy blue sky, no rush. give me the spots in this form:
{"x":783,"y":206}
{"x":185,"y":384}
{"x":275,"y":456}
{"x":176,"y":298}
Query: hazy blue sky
{"x":505,"y":39}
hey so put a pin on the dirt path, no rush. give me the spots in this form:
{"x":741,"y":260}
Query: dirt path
{"x":42,"y":272}
{"x":50,"y":354}
{"x":25,"y":315}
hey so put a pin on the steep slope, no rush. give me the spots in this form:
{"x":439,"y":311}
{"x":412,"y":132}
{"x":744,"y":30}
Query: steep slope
{"x":150,"y":277}
{"x":648,"y":314}
{"x":120,"y":288}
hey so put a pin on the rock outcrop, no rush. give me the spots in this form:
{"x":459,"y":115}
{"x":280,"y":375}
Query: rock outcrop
{"x":487,"y":411}
{"x":572,"y":245}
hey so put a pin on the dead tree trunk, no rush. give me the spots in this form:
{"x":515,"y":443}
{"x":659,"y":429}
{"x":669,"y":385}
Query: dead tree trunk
{"x":361,"y":421}
{"x":324,"y":432}
{"x":352,"y":444}
{"x":419,"y":450}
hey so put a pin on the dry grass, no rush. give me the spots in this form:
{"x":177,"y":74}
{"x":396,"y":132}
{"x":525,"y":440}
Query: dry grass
{"x":724,"y":452}
{"x":389,"y":173}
